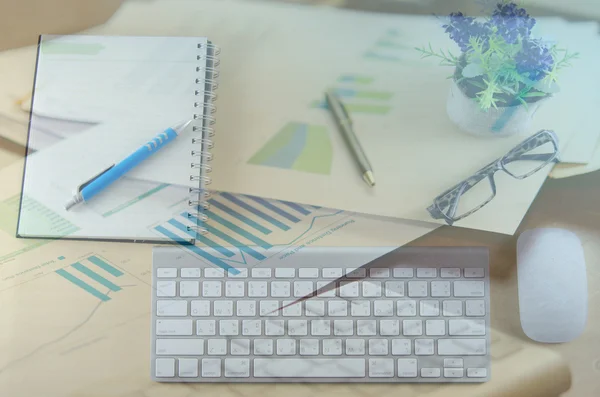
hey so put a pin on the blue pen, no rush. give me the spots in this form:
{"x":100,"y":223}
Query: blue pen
{"x":101,"y":181}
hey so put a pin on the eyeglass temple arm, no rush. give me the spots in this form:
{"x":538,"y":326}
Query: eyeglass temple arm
{"x":537,"y":157}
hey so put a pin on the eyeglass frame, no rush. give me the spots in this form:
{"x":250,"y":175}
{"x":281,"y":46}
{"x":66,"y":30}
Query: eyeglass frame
{"x":519,"y":152}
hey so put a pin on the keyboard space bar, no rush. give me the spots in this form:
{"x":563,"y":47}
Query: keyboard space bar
{"x":309,"y":368}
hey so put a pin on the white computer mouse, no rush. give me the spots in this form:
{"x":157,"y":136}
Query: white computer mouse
{"x":552,"y":285}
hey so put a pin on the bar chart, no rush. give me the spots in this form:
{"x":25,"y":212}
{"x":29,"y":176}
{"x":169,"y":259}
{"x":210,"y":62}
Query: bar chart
{"x":92,"y":274}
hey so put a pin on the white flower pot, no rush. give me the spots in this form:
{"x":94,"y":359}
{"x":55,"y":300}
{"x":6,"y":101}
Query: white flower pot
{"x":504,"y":121}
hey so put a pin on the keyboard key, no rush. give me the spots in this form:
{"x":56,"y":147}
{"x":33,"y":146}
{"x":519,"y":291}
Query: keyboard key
{"x":407,"y":368}
{"x":165,"y":367}
{"x":412,"y":327}
{"x":174,"y":327}
{"x":269,"y":308}
{"x":360,"y":308}
{"x":211,"y":367}
{"x":214,"y":273}
{"x":349,"y":289}
{"x":333,"y":272}
{"x":180,"y":347}
{"x":291,"y":308}
{"x":246,"y":308}
{"x":404,"y":272}
{"x":389,"y":327}
{"x":274,"y":327}
{"x":401,"y":347}
{"x":261,"y":273}
{"x":417,"y":289}
{"x":466,"y":327}
{"x":359,"y":272}
{"x":461,"y":347}
{"x":424,"y":347}
{"x":429,"y":308}
{"x":371,"y":289}
{"x":468,"y":288}
{"x":243,"y":273}
{"x":237,"y":368}
{"x":383,"y":308}
{"x":171,"y":308}
{"x":337,"y":308}
{"x":189,"y":289}
{"x":381,"y":367}
{"x":314,"y":368}
{"x":378,"y":347}
{"x":406,"y":308}
{"x":223,"y":308}
{"x":394,"y":289}
{"x":211,"y":289}
{"x":435,"y":327}
{"x":314,"y":308}
{"x":379,"y":272}
{"x":476,"y":372}
{"x":190,"y":272}
{"x":205,"y":327}
{"x":166,"y":272}
{"x":229,"y":327}
{"x":200,"y":308}
{"x":454,"y":372}
{"x":343,"y":327}
{"x":320,"y":327}
{"x":450,"y":272}
{"x":297,"y":327}
{"x":188,"y":367}
{"x":332,"y":347}
{"x":303,"y":288}
{"x":355,"y":347}
{"x":366,"y":327}
{"x":453,"y":362}
{"x":263,"y":347}
{"x":426,"y":272}
{"x":474,"y":272}
{"x":235,"y":289}
{"x":257,"y":289}
{"x":166,"y":288}
{"x":440,"y":289}
{"x":217,"y":347}
{"x":251,"y":327}
{"x":280,"y":289}
{"x":431,"y":372}
{"x":330,"y":293}
{"x":286,"y":347}
{"x":308,"y":273}
{"x":452,"y":308}
{"x":475,"y":307}
{"x":285,"y":272}
{"x":309,"y":347}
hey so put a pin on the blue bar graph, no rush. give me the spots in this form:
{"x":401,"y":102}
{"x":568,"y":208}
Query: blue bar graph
{"x":82,"y":284}
{"x":196,"y":250}
{"x":214,"y":217}
{"x":230,"y":240}
{"x":296,"y":207}
{"x":95,"y":276}
{"x":255,"y":211}
{"x":202,"y":239}
{"x":274,"y":208}
{"x":105,"y":266}
{"x":239,"y":216}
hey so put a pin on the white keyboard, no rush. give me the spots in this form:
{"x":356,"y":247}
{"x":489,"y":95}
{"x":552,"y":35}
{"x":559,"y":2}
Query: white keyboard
{"x":416,"y":314}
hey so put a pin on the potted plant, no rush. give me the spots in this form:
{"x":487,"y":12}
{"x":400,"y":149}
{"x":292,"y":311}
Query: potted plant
{"x":502,"y":75}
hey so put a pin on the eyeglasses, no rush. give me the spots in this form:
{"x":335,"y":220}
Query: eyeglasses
{"x":521,"y":162}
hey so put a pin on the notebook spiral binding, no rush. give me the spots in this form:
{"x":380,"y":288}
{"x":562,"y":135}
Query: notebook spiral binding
{"x":206,"y":131}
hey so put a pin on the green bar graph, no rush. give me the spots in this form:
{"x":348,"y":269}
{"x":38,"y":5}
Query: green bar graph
{"x":105,"y":266}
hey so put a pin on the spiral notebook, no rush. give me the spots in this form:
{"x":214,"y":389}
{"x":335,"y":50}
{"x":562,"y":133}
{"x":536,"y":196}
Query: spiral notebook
{"x":126,"y":90}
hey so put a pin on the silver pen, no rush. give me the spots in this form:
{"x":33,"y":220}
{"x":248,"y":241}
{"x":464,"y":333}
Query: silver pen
{"x":345,"y":123}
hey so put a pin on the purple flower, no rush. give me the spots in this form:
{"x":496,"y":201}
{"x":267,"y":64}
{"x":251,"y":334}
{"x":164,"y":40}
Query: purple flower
{"x":512,"y":22}
{"x":461,"y":28}
{"x":535,"y":59}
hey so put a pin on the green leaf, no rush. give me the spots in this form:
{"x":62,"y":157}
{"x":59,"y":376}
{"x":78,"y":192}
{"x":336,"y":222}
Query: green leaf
{"x":534,"y":94}
{"x":472,"y":70}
